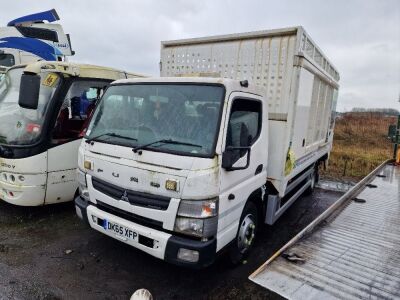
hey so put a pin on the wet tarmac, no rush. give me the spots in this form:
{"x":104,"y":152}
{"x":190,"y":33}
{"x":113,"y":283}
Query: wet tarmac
{"x":47,"y":253}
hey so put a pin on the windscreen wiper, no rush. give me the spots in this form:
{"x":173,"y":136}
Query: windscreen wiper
{"x":165,"y":141}
{"x":110,"y":134}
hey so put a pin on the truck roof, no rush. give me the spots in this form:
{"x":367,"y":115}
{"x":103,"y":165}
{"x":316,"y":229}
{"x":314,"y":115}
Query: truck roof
{"x":232,"y":84}
{"x":78,"y":70}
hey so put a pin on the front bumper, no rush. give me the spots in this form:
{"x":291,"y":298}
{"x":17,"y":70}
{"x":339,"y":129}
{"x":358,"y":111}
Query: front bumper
{"x":165,"y":246}
{"x":22,"y":195}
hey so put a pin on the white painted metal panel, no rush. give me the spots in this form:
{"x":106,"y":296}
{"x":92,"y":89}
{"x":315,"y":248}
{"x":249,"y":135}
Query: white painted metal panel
{"x":276,"y":151}
{"x":302,"y":115}
{"x":31,"y":190}
{"x":62,"y":164}
{"x":266,"y":61}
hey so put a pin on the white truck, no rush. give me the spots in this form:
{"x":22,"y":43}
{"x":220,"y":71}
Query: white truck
{"x":28,"y":39}
{"x":44,"y":110}
{"x":209,"y":159}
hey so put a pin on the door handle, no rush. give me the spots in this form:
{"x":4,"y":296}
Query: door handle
{"x":259,"y":169}
{"x":231,"y":197}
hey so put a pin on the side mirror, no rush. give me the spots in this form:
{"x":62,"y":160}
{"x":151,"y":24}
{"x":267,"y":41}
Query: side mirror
{"x":230,"y":157}
{"x":29,"y":91}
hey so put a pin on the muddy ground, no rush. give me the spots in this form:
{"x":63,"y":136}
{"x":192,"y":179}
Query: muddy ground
{"x":34,"y":263}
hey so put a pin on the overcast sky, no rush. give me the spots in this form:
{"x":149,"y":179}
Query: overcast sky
{"x":360,"y":37}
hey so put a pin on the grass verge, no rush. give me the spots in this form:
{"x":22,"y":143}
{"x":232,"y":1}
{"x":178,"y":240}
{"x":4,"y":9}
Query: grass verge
{"x":360,"y":144}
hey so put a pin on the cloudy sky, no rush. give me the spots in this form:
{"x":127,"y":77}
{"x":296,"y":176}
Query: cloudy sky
{"x":360,"y":37}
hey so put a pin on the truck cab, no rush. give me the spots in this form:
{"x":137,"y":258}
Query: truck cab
{"x":39,"y":140}
{"x":170,"y":175}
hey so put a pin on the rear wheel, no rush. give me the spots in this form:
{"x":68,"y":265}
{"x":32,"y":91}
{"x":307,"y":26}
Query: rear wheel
{"x":246,"y":235}
{"x":314,"y":176}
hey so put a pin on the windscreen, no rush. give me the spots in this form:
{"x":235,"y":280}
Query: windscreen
{"x":178,"y":118}
{"x":19,"y":126}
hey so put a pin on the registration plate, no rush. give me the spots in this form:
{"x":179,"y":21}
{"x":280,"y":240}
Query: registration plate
{"x":119,"y":230}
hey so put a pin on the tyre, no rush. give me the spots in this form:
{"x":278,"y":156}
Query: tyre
{"x":246,"y":234}
{"x":314,"y":176}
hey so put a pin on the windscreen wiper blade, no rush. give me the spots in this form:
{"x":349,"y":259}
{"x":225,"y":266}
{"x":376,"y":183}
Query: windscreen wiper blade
{"x":165,"y":141}
{"x":110,"y":134}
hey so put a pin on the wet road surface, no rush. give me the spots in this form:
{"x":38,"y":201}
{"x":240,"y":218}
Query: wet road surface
{"x":34,"y":263}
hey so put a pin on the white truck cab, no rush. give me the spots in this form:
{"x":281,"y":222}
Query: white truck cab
{"x":44,"y":110}
{"x":184,"y":167}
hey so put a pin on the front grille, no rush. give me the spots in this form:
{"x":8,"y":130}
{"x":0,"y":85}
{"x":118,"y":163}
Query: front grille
{"x":129,"y":216}
{"x":134,"y":198}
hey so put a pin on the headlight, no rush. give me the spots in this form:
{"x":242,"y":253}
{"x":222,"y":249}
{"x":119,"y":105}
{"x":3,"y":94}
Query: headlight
{"x":197,"y":227}
{"x":81,"y":178}
{"x":198,"y":218}
{"x":198,"y":209}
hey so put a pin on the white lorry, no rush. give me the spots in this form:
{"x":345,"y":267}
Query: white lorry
{"x":209,"y":159}
{"x":44,"y":110}
{"x":28,"y":39}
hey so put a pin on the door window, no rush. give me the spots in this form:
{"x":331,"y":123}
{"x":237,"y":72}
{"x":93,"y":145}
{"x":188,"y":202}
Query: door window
{"x":76,"y":110}
{"x":244,"y":124}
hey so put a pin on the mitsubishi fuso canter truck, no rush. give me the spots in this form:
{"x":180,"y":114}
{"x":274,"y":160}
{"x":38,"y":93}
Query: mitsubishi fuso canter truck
{"x":192,"y":163}
{"x":44,"y":110}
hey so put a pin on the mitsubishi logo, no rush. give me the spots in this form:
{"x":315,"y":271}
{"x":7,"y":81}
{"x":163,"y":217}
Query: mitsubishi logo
{"x":125,"y":197}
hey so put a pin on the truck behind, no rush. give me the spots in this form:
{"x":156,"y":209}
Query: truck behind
{"x":32,"y":38}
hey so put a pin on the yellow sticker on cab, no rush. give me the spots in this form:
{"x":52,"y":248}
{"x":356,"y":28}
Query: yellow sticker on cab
{"x":50,"y":80}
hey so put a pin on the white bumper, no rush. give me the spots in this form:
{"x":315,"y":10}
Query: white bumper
{"x":22,"y":195}
{"x":160,"y":238}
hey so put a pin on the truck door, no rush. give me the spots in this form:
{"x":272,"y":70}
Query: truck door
{"x":245,"y":115}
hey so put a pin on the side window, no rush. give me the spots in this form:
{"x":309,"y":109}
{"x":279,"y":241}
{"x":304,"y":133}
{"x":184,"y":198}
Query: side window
{"x":7,"y":60}
{"x":244,"y":124}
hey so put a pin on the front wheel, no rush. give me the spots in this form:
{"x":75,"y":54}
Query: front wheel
{"x":246,"y":234}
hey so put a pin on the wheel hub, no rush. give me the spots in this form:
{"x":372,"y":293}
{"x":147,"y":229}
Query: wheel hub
{"x":246,"y":233}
